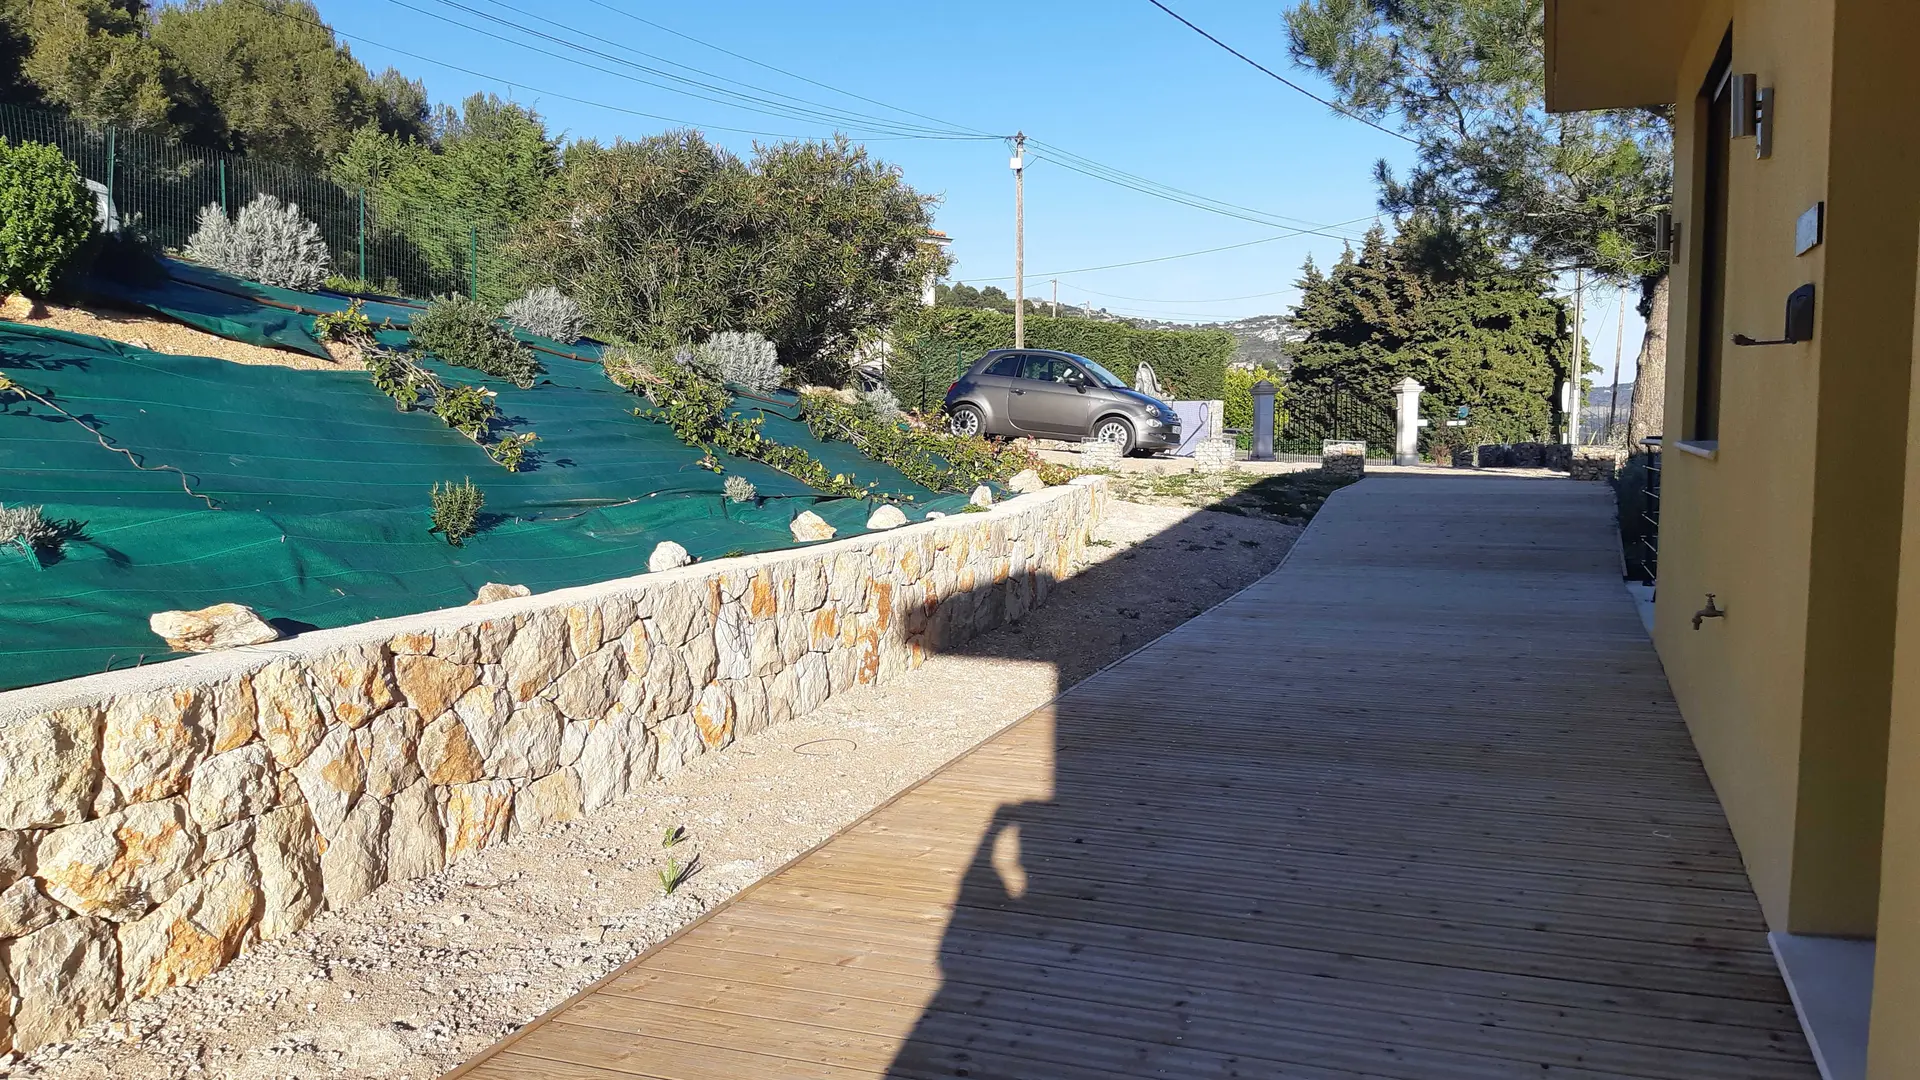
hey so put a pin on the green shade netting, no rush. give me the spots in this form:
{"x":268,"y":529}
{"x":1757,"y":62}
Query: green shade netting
{"x":323,"y":493}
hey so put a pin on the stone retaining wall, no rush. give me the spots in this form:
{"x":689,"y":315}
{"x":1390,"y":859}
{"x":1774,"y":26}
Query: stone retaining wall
{"x":156,"y":822}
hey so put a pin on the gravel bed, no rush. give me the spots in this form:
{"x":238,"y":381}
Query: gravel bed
{"x":423,"y":974}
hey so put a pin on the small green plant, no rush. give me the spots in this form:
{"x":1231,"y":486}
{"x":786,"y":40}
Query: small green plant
{"x":398,"y":377}
{"x":511,"y":450}
{"x":30,"y":532}
{"x":710,"y":463}
{"x":466,"y":409}
{"x":973,"y":508}
{"x":349,"y":325}
{"x":463,"y":333}
{"x":740,"y":489}
{"x":673,"y":836}
{"x":46,"y":217}
{"x":456,"y":510}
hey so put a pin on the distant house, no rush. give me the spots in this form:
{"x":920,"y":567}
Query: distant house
{"x":1791,"y":475}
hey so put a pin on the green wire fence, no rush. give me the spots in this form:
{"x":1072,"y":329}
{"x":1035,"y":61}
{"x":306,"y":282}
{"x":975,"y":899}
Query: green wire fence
{"x":160,"y":186}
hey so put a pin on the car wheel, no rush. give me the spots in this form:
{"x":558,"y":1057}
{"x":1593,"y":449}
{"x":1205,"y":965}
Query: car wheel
{"x":1115,"y":430}
{"x":966,"y":420}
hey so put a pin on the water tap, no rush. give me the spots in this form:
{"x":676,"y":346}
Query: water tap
{"x":1711,"y":611}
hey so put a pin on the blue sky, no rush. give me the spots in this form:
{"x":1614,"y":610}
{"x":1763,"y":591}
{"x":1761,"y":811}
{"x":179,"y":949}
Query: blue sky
{"x":1114,"y":81}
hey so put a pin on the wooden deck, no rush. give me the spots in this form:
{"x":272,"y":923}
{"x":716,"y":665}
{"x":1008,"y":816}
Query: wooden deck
{"x":1417,"y":805}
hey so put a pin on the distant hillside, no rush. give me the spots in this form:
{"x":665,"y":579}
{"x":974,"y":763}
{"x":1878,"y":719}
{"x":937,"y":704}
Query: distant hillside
{"x":1594,"y":416}
{"x":1262,"y":339}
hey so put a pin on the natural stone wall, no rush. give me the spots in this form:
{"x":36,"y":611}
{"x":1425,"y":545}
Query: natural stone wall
{"x":1597,"y":462}
{"x":1214,"y":454}
{"x":1343,"y":457}
{"x":156,"y":822}
{"x":1096,"y":454}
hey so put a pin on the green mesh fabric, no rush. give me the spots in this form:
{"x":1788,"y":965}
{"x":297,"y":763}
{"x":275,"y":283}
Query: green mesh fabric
{"x":322,"y":488}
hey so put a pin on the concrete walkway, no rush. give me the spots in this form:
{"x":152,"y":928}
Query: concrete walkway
{"x":1416,"y":805}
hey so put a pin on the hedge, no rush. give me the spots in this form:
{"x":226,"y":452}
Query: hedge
{"x":1191,"y":364}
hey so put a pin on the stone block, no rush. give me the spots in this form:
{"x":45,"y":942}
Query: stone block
{"x":1343,"y":457}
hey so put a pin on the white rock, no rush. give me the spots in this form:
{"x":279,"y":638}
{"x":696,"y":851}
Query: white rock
{"x":1026,"y":482}
{"x":982,"y":496}
{"x":887,"y":517}
{"x":415,"y":845}
{"x":122,"y":865}
{"x":355,"y":861}
{"x":935,"y":515}
{"x":222,"y":626}
{"x":24,"y":909}
{"x":666,"y":556}
{"x":492,"y":592}
{"x":67,"y":976}
{"x":50,"y":768}
{"x":234,"y":785}
{"x":810,"y":526}
{"x":287,"y":851}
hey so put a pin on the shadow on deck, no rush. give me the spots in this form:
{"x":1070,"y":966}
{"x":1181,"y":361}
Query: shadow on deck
{"x":1416,"y":805}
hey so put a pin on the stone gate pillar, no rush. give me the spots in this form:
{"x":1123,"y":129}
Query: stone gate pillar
{"x":1406,"y":434}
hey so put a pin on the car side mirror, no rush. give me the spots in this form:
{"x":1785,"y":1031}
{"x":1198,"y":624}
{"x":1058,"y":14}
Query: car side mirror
{"x":1077,"y":380}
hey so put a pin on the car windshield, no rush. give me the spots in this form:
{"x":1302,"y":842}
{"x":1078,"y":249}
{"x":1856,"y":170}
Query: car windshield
{"x":1101,"y":375}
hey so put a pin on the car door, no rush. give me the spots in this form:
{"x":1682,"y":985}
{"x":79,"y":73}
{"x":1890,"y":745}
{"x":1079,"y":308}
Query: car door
{"x":991,"y":388}
{"x":1046,"y":400}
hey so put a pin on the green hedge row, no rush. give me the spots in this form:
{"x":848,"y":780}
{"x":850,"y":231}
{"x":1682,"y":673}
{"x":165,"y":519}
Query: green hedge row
{"x":1192,"y":364}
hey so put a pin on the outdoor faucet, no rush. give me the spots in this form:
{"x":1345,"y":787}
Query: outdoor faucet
{"x":1711,"y":611}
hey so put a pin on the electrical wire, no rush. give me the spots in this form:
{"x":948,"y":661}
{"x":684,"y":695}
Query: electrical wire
{"x":1168,"y":258}
{"x":1152,"y":300}
{"x":1341,"y":109}
{"x":774,"y":109}
{"x":286,"y":14}
{"x":801,"y":109}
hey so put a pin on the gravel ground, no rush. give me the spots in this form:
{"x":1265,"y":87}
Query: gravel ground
{"x":167,"y":336}
{"x":421,"y":975}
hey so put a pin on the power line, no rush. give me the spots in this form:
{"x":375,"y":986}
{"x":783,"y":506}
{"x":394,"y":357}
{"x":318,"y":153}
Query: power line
{"x":286,"y":14}
{"x":1152,"y":300}
{"x":1120,"y":177}
{"x":745,"y":102}
{"x":1169,"y":258}
{"x":1341,"y":109}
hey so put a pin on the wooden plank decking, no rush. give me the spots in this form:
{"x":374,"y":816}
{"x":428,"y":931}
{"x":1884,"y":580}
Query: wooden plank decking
{"x":1417,"y":805}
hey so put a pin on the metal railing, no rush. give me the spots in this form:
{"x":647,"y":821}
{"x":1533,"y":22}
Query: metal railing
{"x":160,"y":186}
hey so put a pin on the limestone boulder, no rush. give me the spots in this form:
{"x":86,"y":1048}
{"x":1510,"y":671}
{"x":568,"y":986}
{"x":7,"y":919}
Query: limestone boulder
{"x":6,"y":1014}
{"x":151,"y":742}
{"x":809,"y":527}
{"x":667,"y":555}
{"x":549,"y":800}
{"x":236,"y":716}
{"x":66,"y":977}
{"x":447,"y":752}
{"x":354,"y":862}
{"x":1026,"y":482}
{"x":393,"y":747}
{"x":733,"y":643}
{"x":194,"y":933}
{"x":526,"y":745}
{"x":356,"y":684}
{"x":713,"y":715}
{"x":234,"y":785}
{"x":493,"y":592}
{"x":886,"y":517}
{"x":15,"y":847}
{"x":476,"y":816}
{"x":222,"y":626}
{"x":333,"y":777}
{"x":286,"y":850}
{"x":677,"y":614}
{"x":289,"y":715}
{"x":50,"y":768}
{"x":432,"y":685}
{"x":24,"y":908}
{"x":122,"y":865}
{"x":590,"y":687}
{"x":416,"y":845}
{"x":536,"y":657}
{"x":935,"y":515}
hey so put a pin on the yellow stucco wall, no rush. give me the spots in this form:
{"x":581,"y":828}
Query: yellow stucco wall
{"x":1794,"y":523}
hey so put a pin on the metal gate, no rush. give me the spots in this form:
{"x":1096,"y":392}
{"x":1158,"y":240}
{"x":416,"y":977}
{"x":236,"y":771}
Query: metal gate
{"x":1317,"y":412}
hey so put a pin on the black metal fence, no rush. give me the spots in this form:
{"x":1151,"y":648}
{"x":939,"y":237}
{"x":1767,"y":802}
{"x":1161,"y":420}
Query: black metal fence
{"x":1315,"y":413}
{"x":160,"y":186}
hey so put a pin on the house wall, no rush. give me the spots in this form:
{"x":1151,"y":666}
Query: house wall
{"x":157,"y":821}
{"x":1793,"y":519}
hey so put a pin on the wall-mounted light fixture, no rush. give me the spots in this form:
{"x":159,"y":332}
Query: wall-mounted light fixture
{"x":1666,"y":234}
{"x":1752,"y":112}
{"x":1799,"y":320}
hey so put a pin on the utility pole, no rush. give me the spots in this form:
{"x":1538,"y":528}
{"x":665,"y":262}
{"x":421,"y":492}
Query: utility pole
{"x":1056,"y":298}
{"x":1019,"y":164}
{"x":1613,"y":402}
{"x":1573,"y":367}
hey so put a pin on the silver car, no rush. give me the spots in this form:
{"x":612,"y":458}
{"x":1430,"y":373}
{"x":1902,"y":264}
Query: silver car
{"x":1057,"y":395}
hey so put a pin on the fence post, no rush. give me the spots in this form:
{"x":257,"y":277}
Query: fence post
{"x":473,"y":262}
{"x":225,"y":207}
{"x":1406,"y":432}
{"x":363,"y":236}
{"x":111,"y":197}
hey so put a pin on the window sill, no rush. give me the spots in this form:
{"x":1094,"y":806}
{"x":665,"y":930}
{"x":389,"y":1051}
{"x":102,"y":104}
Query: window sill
{"x":1700,"y":449}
